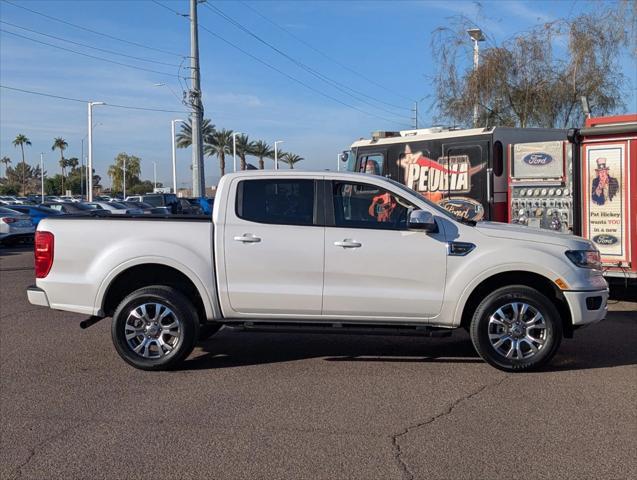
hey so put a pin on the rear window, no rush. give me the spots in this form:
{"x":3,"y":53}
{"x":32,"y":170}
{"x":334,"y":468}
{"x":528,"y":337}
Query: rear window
{"x":155,"y":201}
{"x":283,"y":202}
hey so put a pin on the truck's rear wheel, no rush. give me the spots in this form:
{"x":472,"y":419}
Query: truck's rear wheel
{"x":516,"y":328}
{"x":155,"y":328}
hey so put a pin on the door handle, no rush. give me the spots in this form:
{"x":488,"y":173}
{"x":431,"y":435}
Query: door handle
{"x":247,"y":238}
{"x":348,"y":244}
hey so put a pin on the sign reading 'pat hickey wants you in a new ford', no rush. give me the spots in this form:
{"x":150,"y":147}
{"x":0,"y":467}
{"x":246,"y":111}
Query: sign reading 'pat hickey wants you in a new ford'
{"x":605,"y":199}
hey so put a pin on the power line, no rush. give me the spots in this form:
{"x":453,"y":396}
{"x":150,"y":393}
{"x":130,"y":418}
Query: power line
{"x":114,"y":105}
{"x":89,"y":55}
{"x":170,"y":9}
{"x":296,"y":80}
{"x":112,"y":37}
{"x":327,"y":56}
{"x":112,"y":52}
{"x":338,"y":85}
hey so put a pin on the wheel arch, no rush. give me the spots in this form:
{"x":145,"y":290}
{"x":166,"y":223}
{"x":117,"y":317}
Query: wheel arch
{"x":132,"y":277}
{"x":518,"y":277}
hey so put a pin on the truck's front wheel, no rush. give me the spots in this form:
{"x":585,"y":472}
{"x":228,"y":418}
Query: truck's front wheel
{"x":516,"y":328}
{"x":155,"y":328}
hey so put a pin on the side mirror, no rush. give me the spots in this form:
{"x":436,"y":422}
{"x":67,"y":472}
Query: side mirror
{"x":344,"y":156}
{"x":421,"y":220}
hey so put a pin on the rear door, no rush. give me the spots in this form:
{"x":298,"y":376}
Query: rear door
{"x":273,"y":247}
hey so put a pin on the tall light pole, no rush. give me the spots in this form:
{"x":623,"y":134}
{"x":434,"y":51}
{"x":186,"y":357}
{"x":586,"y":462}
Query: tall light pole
{"x":276,"y":154}
{"x":477,"y":36}
{"x":198,"y":178}
{"x":124,"y":180}
{"x":42,"y":174}
{"x":234,"y":150}
{"x":90,"y":148}
{"x":172,"y":124}
{"x":154,"y":176}
{"x":85,"y":179}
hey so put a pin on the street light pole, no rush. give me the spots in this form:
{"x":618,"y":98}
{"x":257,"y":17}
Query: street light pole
{"x":90,"y":149}
{"x":276,"y":154}
{"x":172,"y":124}
{"x":124,"y":180}
{"x":154,"y":175}
{"x":42,"y":175}
{"x":234,"y":150}
{"x":477,"y":36}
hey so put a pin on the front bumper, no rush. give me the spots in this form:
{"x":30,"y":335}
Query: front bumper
{"x":587,"y":307}
{"x":37,"y":296}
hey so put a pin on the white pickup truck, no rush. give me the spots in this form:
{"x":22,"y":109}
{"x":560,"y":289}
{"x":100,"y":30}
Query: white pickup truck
{"x":319,"y":252}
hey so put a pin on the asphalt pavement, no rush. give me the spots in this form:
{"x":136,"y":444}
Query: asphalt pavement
{"x":248,"y":405}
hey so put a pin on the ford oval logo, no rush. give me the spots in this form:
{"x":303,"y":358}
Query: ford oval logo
{"x":605,"y":239}
{"x":463,"y":207}
{"x":537,"y":158}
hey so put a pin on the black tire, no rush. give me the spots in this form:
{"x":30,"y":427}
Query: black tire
{"x":547,"y":329}
{"x":183,"y":314}
{"x":207,"y":330}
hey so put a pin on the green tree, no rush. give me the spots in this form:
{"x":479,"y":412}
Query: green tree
{"x":6,"y":161}
{"x":525,"y":81}
{"x":290,"y":159}
{"x":116,"y":171}
{"x":23,"y":172}
{"x":262,"y":150}
{"x":61,"y":145}
{"x":244,"y":147}
{"x":184,"y":138}
{"x":72,"y":163}
{"x":21,"y":140}
{"x":220,"y":145}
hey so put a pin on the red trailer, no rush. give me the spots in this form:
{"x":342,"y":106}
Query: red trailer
{"x":606,"y":153}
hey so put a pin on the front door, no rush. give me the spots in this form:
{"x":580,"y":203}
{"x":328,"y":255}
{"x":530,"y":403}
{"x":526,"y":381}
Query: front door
{"x":374,"y":266}
{"x":273,"y":245}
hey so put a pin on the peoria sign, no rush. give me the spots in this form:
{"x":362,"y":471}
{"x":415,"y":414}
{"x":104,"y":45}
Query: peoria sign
{"x":447,"y":174}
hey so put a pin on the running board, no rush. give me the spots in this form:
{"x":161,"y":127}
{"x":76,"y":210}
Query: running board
{"x":340,"y":328}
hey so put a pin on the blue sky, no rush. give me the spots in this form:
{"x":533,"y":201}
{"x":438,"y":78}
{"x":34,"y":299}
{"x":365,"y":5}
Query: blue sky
{"x":386,"y":42}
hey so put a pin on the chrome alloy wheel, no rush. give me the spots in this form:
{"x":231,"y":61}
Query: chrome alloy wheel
{"x":517,"y":331}
{"x":152,"y":330}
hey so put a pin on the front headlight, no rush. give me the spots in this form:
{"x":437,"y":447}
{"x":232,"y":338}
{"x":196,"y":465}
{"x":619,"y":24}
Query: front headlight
{"x":585,"y":258}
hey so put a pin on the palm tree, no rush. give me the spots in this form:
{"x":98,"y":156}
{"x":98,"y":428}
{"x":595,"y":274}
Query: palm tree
{"x":6,"y":161}
{"x":220,"y":144}
{"x":290,"y":159}
{"x":116,"y":171}
{"x":22,"y":140}
{"x":72,"y":163}
{"x":262,"y":150}
{"x":244,"y":147}
{"x":184,"y":138}
{"x":61,"y":144}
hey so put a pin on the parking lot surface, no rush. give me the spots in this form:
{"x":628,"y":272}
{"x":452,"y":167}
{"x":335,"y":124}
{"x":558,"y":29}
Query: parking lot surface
{"x":249,"y":405}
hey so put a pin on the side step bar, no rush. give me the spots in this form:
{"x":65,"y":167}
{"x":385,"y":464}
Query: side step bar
{"x":340,"y":328}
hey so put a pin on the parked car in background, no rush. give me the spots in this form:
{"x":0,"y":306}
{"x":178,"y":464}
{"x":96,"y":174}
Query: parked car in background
{"x":36,"y":212}
{"x":146,"y":207}
{"x":115,"y":208}
{"x":168,"y":200}
{"x":15,"y":226}
{"x":70,"y":208}
{"x":9,"y":200}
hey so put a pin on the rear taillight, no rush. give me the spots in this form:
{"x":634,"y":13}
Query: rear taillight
{"x":43,"y":253}
{"x":9,"y":219}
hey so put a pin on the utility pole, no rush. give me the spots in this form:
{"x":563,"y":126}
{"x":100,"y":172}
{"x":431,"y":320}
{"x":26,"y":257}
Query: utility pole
{"x":415,"y":119}
{"x":198,"y":178}
{"x":42,"y":174}
{"x":89,"y":188}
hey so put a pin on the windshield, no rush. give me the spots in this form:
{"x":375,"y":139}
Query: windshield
{"x":117,"y":206}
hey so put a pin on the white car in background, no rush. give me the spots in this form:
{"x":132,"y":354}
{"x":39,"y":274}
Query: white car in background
{"x":115,"y":208}
{"x":14,"y":226}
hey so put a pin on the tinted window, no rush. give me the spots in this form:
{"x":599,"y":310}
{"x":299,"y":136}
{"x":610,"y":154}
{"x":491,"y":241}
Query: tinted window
{"x":154,"y":201}
{"x":286,"y":202}
{"x":372,"y":164}
{"x":367,"y":206}
{"x":498,"y":158}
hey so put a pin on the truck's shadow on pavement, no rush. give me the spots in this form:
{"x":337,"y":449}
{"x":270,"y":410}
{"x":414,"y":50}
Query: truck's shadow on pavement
{"x":608,"y":344}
